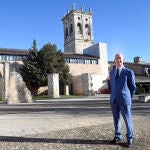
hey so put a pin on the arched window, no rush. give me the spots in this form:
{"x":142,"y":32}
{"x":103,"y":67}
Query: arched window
{"x":71,"y":29}
{"x":66,"y":33}
{"x":87,"y":29}
{"x":79,"y":28}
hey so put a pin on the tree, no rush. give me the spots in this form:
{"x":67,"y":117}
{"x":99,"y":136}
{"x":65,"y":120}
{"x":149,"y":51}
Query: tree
{"x":63,"y":70}
{"x":38,"y":64}
{"x":52,"y":61}
{"x":48,"y":58}
{"x":31,"y":71}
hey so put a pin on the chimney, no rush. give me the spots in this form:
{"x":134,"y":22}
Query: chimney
{"x":137,"y":59}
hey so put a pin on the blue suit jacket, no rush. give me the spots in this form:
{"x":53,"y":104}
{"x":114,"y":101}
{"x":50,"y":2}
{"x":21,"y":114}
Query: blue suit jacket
{"x":123,"y":92}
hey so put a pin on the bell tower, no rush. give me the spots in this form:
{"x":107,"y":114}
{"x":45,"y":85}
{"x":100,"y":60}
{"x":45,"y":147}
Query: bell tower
{"x":78,"y":32}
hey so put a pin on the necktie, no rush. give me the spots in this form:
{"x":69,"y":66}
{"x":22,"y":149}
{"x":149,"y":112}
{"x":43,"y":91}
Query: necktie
{"x":117,"y":75}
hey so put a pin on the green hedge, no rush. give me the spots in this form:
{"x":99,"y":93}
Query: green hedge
{"x":142,"y":89}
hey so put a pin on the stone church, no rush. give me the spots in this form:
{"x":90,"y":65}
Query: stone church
{"x":88,"y":61}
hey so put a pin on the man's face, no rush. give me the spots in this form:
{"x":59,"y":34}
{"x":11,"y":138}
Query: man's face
{"x":119,"y":60}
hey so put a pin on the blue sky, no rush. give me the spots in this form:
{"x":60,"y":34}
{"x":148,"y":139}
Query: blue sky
{"x":123,"y":24}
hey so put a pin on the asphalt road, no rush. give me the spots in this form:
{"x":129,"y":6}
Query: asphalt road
{"x":88,"y":105}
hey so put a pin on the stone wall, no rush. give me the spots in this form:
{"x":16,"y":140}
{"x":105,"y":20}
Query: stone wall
{"x":87,"y":83}
{"x":1,"y":79}
{"x":18,"y":92}
{"x":78,"y":69}
{"x":5,"y":83}
{"x":53,"y":85}
{"x":12,"y":86}
{"x":77,"y":85}
{"x":92,"y":83}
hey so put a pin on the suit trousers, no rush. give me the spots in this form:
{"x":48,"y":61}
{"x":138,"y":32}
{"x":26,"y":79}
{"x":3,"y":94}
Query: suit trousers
{"x":125,"y":110}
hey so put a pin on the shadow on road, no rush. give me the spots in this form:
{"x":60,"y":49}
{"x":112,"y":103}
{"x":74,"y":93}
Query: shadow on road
{"x":51,"y":140}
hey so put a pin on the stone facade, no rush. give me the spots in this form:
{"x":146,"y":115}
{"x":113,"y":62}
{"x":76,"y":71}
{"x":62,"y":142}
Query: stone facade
{"x":78,"y":30}
{"x":99,"y":73}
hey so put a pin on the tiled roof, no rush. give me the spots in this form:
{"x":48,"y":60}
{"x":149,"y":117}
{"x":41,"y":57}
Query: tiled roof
{"x":132,"y":63}
{"x":13,"y":51}
{"x":24,"y":52}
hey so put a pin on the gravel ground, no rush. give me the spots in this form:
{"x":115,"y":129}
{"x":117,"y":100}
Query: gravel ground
{"x":83,"y":138}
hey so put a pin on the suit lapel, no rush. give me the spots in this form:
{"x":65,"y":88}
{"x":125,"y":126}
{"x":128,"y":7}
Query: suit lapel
{"x":114,"y":75}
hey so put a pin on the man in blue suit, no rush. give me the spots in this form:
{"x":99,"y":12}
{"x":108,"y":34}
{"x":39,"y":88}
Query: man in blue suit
{"x":122,"y":84}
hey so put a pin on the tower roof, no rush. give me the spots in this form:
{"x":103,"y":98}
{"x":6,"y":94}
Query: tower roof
{"x":73,"y":10}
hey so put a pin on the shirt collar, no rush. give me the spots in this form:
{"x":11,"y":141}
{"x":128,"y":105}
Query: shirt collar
{"x":120,"y":68}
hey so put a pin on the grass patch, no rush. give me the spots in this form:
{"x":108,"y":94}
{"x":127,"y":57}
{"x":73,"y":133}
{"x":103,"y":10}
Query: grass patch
{"x":45,"y":97}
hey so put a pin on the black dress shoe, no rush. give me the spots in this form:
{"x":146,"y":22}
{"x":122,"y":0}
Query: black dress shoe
{"x":130,"y":143}
{"x":115,"y":140}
